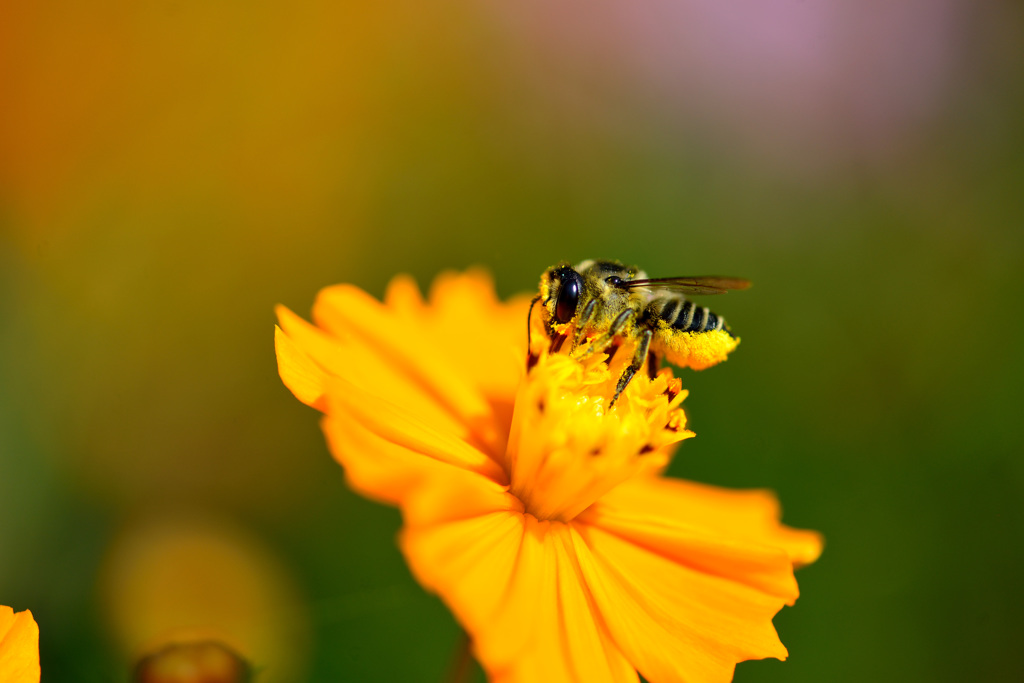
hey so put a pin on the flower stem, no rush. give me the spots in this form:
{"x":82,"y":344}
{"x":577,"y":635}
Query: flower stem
{"x":461,"y":666}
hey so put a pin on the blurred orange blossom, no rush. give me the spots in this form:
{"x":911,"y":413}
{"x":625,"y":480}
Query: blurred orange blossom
{"x":535,"y":511}
{"x":190,"y":592}
{"x":19,"y":647}
{"x":201,"y":661}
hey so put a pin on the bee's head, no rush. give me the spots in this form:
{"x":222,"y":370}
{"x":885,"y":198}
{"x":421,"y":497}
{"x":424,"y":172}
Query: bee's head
{"x":560,"y":291}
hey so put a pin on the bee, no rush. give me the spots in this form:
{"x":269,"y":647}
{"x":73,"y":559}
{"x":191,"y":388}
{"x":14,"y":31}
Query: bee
{"x":609,"y":303}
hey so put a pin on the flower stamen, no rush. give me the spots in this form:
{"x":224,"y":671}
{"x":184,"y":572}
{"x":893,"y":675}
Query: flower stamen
{"x":569,"y":445}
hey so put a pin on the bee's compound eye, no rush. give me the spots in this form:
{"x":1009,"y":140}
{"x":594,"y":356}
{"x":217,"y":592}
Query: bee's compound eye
{"x":568,"y":298}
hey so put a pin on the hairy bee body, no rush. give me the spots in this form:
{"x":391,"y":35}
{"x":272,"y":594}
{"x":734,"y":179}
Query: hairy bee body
{"x":607,"y":302}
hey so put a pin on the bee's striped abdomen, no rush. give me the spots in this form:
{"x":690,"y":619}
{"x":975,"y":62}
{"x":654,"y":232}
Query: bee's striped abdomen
{"x":693,"y":318}
{"x":697,"y":319}
{"x":670,"y":310}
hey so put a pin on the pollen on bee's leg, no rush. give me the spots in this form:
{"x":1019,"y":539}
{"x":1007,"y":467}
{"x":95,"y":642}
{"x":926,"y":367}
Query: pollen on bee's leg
{"x":593,"y":346}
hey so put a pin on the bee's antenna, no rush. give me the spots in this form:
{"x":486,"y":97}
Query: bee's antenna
{"x":529,"y":328}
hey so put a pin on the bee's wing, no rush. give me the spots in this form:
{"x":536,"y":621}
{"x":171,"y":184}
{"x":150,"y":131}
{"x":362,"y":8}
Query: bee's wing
{"x":707,"y":284}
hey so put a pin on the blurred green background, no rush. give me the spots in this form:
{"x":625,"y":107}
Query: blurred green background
{"x":171,"y":170}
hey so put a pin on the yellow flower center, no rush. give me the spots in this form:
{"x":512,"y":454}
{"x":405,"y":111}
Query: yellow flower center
{"x":568,"y":446}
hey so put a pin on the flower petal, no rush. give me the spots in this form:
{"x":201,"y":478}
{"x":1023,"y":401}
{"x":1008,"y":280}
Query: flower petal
{"x":19,"y":647}
{"x":470,"y":563}
{"x":750,"y":516}
{"x":673,"y":622}
{"x":510,"y":580}
{"x":308,"y":358}
{"x":457,"y":495}
{"x":488,"y":566}
{"x":487,"y":336}
{"x":298,"y":371}
{"x":404,"y":427}
{"x":569,"y":642}
{"x":347,"y":311}
{"x":404,"y":299}
{"x":466,"y":302}
{"x":374,"y":466}
{"x":386,"y":451}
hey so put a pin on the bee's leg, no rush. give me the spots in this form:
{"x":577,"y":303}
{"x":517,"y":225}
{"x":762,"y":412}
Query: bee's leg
{"x":529,"y":327}
{"x":581,"y":322}
{"x":639,"y":358}
{"x":556,"y":343}
{"x":653,"y":364}
{"x":531,"y":357}
{"x":602,"y":342}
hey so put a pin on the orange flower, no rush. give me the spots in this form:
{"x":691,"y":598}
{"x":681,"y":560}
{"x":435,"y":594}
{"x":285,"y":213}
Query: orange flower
{"x":537,"y":513}
{"x":19,"y":647}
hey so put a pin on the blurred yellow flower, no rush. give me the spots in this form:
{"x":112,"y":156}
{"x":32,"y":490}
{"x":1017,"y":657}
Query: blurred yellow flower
{"x":19,"y":647}
{"x":187,"y":595}
{"x":201,"y":661}
{"x":535,"y":511}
